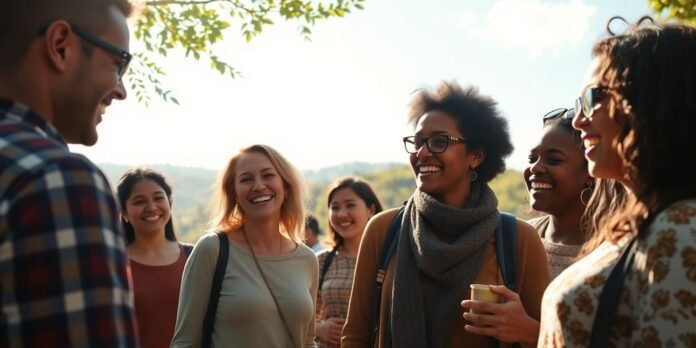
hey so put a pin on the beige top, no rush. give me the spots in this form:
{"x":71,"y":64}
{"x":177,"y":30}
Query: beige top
{"x":531,"y":282}
{"x":656,"y":307}
{"x":560,"y":255}
{"x":246,"y":315}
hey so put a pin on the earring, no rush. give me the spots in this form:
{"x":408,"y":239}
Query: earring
{"x":583,"y":192}
{"x":472,"y":174}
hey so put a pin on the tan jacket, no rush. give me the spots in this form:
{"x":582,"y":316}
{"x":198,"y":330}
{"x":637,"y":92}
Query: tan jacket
{"x":532,"y":279}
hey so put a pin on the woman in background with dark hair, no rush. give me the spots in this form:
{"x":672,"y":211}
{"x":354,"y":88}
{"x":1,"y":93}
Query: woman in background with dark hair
{"x":352,"y":203}
{"x":156,"y":258}
{"x":637,"y":117}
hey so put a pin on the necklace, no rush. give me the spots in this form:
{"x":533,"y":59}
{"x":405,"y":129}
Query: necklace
{"x":268,"y":286}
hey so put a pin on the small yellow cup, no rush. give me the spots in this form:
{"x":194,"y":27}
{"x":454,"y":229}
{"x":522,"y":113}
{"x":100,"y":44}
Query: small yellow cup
{"x":481,"y":292}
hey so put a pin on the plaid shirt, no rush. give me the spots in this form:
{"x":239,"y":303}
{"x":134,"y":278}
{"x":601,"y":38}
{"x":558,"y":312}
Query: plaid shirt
{"x":64,"y":277}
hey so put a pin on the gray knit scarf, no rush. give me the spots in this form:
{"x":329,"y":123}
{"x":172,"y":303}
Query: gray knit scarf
{"x":432,"y":277}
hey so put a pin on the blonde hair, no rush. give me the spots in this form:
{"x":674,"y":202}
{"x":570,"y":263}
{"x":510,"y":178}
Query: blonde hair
{"x":228,"y":216}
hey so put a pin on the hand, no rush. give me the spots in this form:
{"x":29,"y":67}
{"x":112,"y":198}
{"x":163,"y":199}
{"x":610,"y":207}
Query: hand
{"x":507,"y":322}
{"x":330,"y":330}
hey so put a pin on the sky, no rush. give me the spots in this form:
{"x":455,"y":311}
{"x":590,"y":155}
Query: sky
{"x":343,"y":96}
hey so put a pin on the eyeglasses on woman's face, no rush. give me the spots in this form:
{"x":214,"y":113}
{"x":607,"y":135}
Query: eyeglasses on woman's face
{"x":436,"y":143}
{"x":589,"y":98}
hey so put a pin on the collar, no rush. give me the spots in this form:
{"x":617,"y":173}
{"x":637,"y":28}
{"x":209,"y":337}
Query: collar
{"x":18,"y":112}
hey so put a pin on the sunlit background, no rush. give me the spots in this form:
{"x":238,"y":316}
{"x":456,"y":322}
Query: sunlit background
{"x":343,"y":96}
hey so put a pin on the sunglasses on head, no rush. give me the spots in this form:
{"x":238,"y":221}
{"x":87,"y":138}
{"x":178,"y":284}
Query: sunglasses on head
{"x":558,"y":113}
{"x":589,"y":98}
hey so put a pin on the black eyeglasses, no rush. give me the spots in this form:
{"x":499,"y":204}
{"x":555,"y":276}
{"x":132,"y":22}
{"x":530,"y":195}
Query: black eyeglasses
{"x":589,"y":98}
{"x":560,"y":112}
{"x":85,"y":35}
{"x":124,"y":55}
{"x":436,"y":143}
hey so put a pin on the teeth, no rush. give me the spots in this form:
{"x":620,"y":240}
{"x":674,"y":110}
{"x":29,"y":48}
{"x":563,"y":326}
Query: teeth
{"x":262,"y":199}
{"x":541,"y":186}
{"x":588,"y":142}
{"x":428,"y":169}
{"x":345,"y":224}
{"x":151,"y":218}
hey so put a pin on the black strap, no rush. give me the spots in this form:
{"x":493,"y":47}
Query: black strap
{"x":327,"y":262}
{"x":215,"y":290}
{"x":506,"y":249}
{"x":388,"y":250}
{"x":609,"y":299}
{"x":506,"y":253}
{"x":188,"y":248}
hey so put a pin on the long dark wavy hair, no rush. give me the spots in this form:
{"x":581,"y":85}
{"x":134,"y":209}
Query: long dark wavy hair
{"x":650,"y":74}
{"x":125,"y":188}
{"x":362,"y":189}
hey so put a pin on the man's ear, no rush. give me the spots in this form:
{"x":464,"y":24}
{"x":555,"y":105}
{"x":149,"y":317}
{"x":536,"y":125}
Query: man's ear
{"x":59,"y":45}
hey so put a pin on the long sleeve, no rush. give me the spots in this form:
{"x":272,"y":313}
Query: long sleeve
{"x":664,"y":280}
{"x":532,"y":278}
{"x":357,"y":331}
{"x":64,"y":279}
{"x":311,"y":325}
{"x":195,"y":292}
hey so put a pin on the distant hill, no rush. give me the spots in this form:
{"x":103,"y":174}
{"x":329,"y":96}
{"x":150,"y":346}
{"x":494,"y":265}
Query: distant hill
{"x":352,"y":168}
{"x":393,"y":183}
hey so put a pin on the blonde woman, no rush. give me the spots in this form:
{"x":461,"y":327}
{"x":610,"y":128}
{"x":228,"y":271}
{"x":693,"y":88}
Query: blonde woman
{"x":269,"y":287}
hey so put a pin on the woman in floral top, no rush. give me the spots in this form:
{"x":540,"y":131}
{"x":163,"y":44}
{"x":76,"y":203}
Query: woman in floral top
{"x":637,"y":116}
{"x":352,"y":202}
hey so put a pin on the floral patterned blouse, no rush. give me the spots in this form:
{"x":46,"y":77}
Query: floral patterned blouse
{"x":657,"y":306}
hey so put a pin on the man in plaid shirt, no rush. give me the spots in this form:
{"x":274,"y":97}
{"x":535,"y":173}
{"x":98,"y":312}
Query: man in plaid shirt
{"x":64,"y":277}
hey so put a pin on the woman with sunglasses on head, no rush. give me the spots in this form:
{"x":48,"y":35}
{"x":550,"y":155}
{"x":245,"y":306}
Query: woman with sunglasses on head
{"x":637,"y":117}
{"x":352,"y":203}
{"x":269,"y":283}
{"x":156,"y":258}
{"x":560,"y":186}
{"x":446,"y":240}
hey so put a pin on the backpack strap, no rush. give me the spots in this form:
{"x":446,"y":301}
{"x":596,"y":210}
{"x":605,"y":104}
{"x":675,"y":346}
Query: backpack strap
{"x":327,"y":262}
{"x":188,"y":248}
{"x":215,"y":290}
{"x":609,"y":299}
{"x":388,"y":249}
{"x":506,"y":248}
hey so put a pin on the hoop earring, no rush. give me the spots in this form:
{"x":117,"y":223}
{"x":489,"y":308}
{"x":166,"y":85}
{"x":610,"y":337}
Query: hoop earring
{"x":473,"y":175}
{"x":582,"y":193}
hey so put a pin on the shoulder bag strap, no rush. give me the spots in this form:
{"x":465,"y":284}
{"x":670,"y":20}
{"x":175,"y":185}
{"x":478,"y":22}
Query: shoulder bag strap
{"x":220,"y":266}
{"x":388,"y":250}
{"x":325,"y":268}
{"x":609,"y":299}
{"x":506,"y":249}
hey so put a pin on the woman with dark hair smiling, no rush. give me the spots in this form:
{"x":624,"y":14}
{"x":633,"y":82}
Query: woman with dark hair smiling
{"x":637,"y":117}
{"x":352,"y":203}
{"x":446,"y":239}
{"x":156,"y":258}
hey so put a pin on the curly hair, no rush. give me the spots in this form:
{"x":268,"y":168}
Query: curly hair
{"x":478,"y":119}
{"x":650,"y":74}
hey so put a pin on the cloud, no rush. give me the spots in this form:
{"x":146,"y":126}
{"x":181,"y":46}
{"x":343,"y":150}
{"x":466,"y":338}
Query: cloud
{"x":532,"y":25}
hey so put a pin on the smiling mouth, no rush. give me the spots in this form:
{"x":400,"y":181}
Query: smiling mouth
{"x":540,"y":186}
{"x":261,"y":199}
{"x":428,"y":169}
